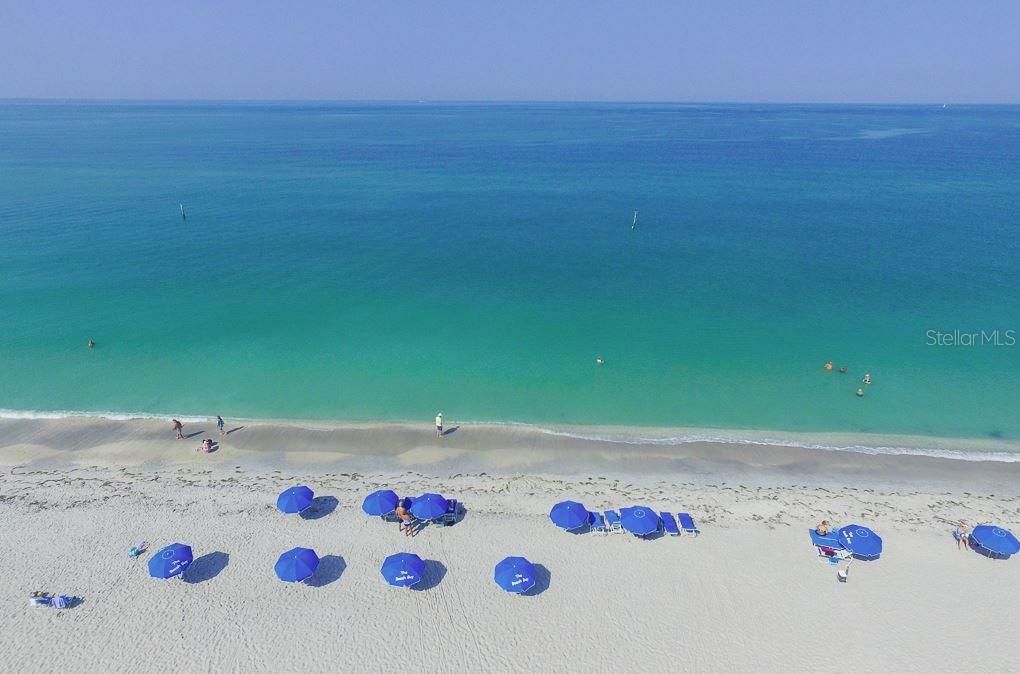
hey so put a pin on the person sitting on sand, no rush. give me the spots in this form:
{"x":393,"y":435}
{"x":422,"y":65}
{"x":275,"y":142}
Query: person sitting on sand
{"x":828,"y":366}
{"x":823,"y":529}
{"x":404,"y":519}
{"x":206,"y":446}
{"x":179,"y":427}
{"x":962,"y":536}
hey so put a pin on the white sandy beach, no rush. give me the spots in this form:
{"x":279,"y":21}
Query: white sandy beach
{"x":747,"y":595}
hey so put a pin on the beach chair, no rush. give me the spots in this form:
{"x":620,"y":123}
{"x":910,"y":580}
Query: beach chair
{"x":613,"y":521}
{"x":452,"y":508}
{"x":687,"y":524}
{"x":669,"y":524}
{"x":597,"y":524}
{"x":829,"y":548}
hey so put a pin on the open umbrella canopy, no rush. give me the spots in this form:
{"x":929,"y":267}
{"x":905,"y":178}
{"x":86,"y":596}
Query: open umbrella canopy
{"x":295,"y":499}
{"x":569,"y":515}
{"x":639,"y":520}
{"x":429,"y":506}
{"x":862,"y":542}
{"x":515,"y":574}
{"x":403,"y":569}
{"x":170,"y":561}
{"x":380,"y":503}
{"x":296,"y":565}
{"x":994,"y":541}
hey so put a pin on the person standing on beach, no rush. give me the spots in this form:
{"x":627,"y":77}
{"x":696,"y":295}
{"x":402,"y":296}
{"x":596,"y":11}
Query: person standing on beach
{"x":219,"y":424}
{"x":179,"y":427}
{"x":439,"y":425}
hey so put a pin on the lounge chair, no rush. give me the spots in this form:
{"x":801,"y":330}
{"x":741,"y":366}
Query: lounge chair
{"x":597,"y":523}
{"x":829,"y":548}
{"x":452,"y":509}
{"x":613,"y":520}
{"x":669,"y":524}
{"x":687,"y":524}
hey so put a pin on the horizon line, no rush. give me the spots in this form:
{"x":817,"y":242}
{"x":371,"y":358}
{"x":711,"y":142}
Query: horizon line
{"x":498,"y":101}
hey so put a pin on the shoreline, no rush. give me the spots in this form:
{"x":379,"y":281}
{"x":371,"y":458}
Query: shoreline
{"x":958,"y":448}
{"x":485,"y":449}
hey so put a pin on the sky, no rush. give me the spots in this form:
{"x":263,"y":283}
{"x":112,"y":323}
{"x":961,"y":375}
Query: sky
{"x":879,"y":51}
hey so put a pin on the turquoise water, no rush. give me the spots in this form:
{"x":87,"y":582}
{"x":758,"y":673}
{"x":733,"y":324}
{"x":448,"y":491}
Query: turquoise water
{"x":383,"y":262}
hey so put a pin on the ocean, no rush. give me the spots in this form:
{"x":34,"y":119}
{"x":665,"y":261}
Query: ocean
{"x":382,"y":262}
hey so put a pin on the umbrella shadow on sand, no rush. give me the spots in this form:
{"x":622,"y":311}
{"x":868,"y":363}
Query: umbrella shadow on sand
{"x":206,"y":567}
{"x":542,"y":580}
{"x":320,"y":507}
{"x":434,"y":574}
{"x":330,"y":568}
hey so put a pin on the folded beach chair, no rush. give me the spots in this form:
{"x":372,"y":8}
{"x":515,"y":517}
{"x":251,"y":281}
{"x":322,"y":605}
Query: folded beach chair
{"x":687,"y":524}
{"x":613,"y":520}
{"x":669,"y":524}
{"x":597,"y":523}
{"x":450,"y":517}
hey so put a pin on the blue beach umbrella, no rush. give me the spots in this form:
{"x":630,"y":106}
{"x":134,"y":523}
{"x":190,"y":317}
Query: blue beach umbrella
{"x":515,"y":574}
{"x":994,"y":541}
{"x":569,"y":515}
{"x":295,"y":499}
{"x":862,"y":542}
{"x":296,"y":565}
{"x":170,"y":561}
{"x":639,"y":520}
{"x":380,"y":503}
{"x":403,"y":569}
{"x":429,"y":506}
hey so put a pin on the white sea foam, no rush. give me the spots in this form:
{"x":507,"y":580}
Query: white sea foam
{"x":763,"y":439}
{"x":113,"y":416}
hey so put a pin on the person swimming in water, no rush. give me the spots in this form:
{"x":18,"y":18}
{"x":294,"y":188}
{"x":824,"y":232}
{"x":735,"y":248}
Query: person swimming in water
{"x":842,"y":370}
{"x":828,"y":366}
{"x":860,"y":393}
{"x":867,"y":378}
{"x":92,"y":344}
{"x":599,"y":361}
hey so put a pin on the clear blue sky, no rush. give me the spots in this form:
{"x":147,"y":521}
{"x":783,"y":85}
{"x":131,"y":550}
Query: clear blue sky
{"x":676,"y":50}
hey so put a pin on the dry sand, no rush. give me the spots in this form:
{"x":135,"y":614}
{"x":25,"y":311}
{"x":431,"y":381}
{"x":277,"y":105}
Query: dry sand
{"x":747,"y":595}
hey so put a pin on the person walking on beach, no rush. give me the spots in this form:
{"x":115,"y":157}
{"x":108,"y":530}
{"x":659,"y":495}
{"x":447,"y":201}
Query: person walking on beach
{"x":179,"y":427}
{"x":219,"y":424}
{"x":439,"y":425}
